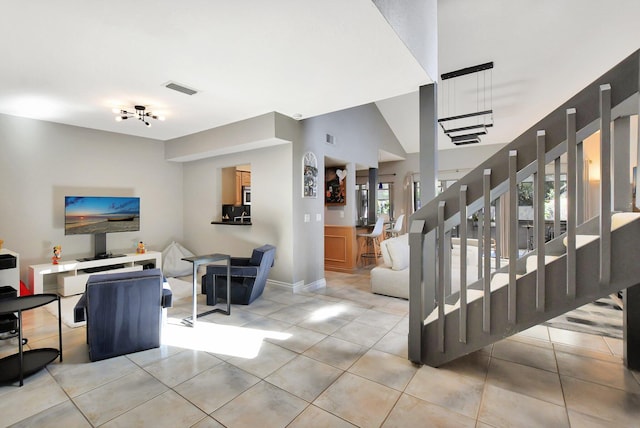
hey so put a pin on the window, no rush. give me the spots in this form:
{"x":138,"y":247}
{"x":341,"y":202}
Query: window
{"x":526,"y":192}
{"x":384,"y":195}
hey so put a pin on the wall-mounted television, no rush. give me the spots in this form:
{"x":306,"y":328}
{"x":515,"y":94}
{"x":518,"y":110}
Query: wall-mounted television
{"x":99,"y":215}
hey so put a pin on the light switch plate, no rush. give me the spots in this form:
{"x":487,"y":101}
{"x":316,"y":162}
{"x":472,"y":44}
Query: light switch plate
{"x":318,"y":217}
{"x":307,"y":218}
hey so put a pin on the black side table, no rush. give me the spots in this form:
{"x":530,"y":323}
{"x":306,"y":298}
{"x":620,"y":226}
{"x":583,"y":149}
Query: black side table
{"x":25,"y":363}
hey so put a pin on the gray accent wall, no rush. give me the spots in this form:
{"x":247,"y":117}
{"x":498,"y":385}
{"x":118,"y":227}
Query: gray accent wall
{"x":359,"y":133}
{"x":271,"y":207}
{"x":42,"y":162}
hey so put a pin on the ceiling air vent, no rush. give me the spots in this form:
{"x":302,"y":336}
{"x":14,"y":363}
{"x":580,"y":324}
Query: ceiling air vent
{"x":329,"y":139}
{"x":180,"y":88}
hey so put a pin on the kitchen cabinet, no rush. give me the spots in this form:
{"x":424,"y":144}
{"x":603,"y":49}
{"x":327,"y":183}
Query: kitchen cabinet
{"x":243,"y":179}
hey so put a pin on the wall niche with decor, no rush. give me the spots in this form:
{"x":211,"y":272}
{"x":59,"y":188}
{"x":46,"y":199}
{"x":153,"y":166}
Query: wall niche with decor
{"x":335,"y":180}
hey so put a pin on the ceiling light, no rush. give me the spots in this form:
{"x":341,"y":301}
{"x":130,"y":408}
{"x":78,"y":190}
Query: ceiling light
{"x":139,"y":112}
{"x":467,"y":127}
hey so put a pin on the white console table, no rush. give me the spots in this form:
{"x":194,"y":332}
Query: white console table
{"x":69,"y":277}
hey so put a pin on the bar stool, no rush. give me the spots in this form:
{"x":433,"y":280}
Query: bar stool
{"x":397,"y":227}
{"x":371,"y":240}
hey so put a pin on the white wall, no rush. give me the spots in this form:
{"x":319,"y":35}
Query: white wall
{"x":271,"y":207}
{"x":416,"y":23}
{"x":41,"y":162}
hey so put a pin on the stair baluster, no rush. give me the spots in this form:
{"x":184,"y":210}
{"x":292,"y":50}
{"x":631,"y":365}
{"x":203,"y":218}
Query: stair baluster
{"x":513,"y":233}
{"x":557,"y":230}
{"x":463,"y":265}
{"x":539,"y":220}
{"x":572,"y":197}
{"x":605,"y":184}
{"x":441,"y":277}
{"x":486,"y":250}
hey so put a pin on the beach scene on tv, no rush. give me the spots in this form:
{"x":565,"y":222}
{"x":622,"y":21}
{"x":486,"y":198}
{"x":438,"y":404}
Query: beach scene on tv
{"x":90,"y":215}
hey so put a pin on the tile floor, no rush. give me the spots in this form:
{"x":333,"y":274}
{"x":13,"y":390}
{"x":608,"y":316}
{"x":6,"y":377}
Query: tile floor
{"x":333,"y":358}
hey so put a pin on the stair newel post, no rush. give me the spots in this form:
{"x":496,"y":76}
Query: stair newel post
{"x":441,"y":276}
{"x":513,"y":233}
{"x":571,"y":202}
{"x":421,"y":285}
{"x":539,"y":221}
{"x":605,"y":184}
{"x":486,"y":250}
{"x":463,"y":264}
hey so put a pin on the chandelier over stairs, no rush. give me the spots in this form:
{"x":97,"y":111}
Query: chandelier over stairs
{"x":467,"y":126}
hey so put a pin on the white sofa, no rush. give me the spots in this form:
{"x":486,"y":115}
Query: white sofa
{"x":392,"y":277}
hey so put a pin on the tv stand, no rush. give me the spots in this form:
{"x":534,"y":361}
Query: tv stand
{"x":69,"y":277}
{"x":102,"y":257}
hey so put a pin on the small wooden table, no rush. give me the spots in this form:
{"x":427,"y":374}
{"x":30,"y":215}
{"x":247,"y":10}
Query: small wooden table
{"x":205,"y":260}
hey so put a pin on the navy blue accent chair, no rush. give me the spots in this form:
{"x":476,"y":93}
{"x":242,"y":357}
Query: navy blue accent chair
{"x":123,"y":312}
{"x":248,"y":277}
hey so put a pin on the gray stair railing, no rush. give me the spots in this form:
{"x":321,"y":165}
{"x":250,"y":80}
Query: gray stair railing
{"x":432,"y":226}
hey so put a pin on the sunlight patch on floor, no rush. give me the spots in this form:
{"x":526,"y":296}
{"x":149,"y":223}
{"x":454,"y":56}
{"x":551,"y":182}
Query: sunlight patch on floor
{"x":216,"y":338}
{"x":324,"y":314}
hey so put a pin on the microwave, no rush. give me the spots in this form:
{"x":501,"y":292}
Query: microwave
{"x":246,"y":195}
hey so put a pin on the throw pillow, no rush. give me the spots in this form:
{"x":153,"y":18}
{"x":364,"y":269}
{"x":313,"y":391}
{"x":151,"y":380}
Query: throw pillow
{"x":399,"y":253}
{"x":172,"y":263}
{"x":386,"y":258}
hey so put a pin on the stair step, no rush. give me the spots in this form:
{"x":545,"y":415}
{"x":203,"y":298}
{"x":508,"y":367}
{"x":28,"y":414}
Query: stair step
{"x":581,"y":240}
{"x":532,"y":261}
{"x":471,"y":296}
{"x":501,"y":279}
{"x":620,"y":219}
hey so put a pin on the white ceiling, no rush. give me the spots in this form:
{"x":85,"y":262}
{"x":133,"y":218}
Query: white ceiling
{"x":73,"y":61}
{"x":544,"y":51}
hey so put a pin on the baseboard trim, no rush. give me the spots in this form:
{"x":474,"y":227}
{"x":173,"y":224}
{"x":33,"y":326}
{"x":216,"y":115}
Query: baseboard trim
{"x":315,"y":285}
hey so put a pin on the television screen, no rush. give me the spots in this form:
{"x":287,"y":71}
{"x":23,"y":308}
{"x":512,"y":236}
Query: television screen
{"x":101,"y":214}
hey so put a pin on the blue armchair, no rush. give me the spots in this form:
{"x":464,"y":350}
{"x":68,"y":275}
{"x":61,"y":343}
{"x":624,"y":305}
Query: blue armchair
{"x":248,"y":277}
{"x":123,"y":312}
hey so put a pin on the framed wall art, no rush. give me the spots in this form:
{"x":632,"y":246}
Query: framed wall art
{"x":309,"y":176}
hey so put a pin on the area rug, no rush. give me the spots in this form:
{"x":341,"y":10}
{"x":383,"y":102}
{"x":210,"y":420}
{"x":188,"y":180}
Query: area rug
{"x":66,"y":309}
{"x":179,"y":288}
{"x":602,"y":317}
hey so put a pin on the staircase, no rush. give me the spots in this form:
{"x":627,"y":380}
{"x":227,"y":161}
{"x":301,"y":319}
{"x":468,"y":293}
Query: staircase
{"x":594,"y":257}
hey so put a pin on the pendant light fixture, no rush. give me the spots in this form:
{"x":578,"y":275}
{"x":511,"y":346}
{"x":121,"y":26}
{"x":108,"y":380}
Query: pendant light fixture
{"x":466,"y":126}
